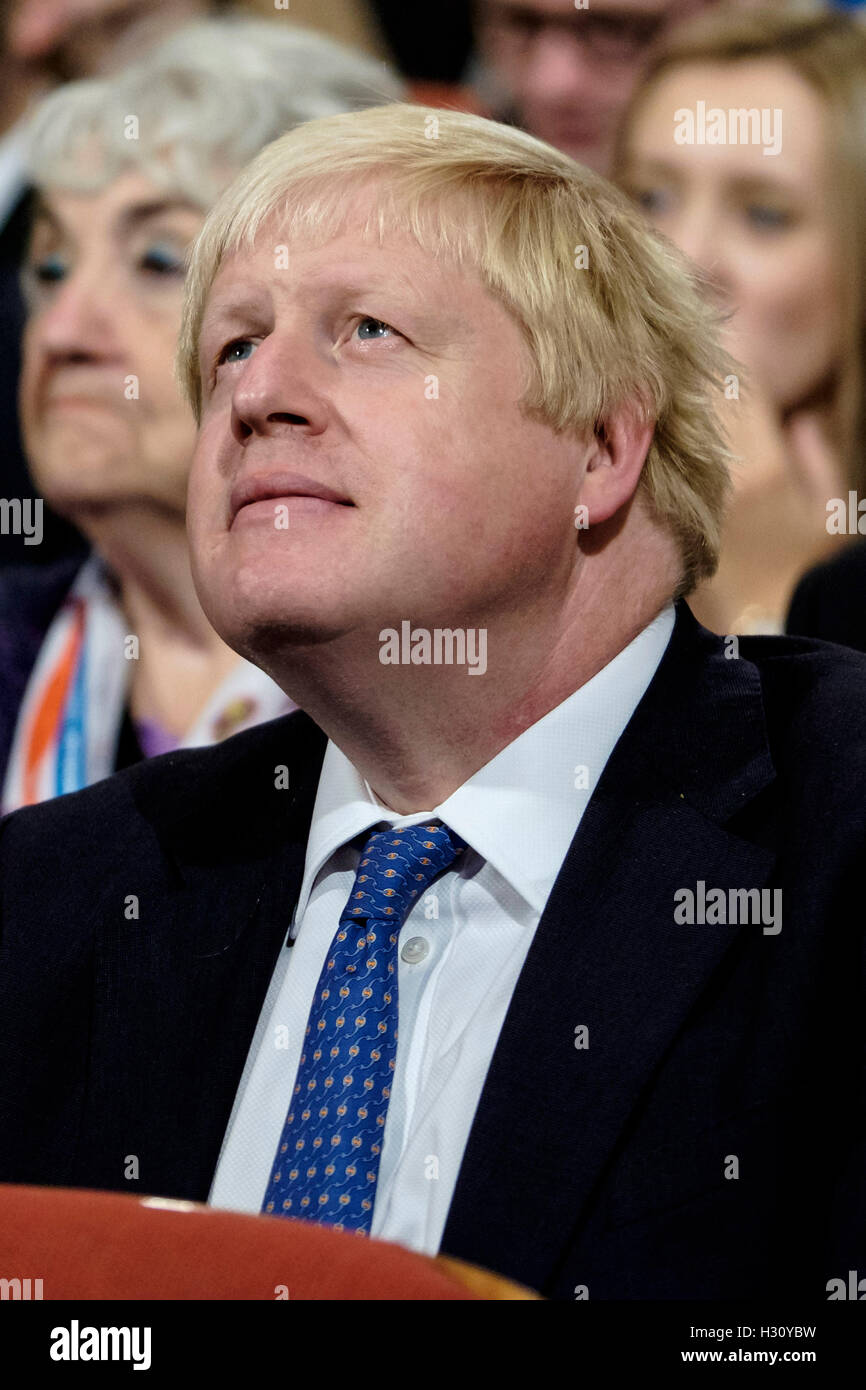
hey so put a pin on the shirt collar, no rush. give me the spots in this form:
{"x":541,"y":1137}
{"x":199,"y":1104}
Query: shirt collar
{"x":521,"y":810}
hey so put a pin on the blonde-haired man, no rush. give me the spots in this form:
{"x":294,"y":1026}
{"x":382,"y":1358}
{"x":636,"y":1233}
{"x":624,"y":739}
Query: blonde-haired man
{"x":458,"y":464}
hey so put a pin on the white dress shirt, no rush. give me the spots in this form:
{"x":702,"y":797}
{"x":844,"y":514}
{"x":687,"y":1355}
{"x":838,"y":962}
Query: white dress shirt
{"x":461,"y":948}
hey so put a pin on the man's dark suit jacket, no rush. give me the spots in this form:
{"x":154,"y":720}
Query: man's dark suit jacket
{"x":830,"y":600}
{"x":712,"y":1049}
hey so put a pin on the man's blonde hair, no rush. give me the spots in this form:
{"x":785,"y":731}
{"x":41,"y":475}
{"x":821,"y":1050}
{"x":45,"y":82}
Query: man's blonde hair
{"x":610,"y":313}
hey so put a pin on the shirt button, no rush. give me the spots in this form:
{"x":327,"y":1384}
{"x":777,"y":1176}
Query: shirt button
{"x":415,"y":949}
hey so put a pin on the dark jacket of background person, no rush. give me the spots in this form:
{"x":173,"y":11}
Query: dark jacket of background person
{"x":603,"y":1167}
{"x":15,"y":482}
{"x":830,"y":601}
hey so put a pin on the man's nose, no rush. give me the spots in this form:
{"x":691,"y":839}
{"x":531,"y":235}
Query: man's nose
{"x":280,"y":389}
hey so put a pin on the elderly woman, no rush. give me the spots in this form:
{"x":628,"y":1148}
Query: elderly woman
{"x":107,"y":661}
{"x":746,"y":145}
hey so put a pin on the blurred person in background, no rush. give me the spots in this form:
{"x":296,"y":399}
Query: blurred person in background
{"x":830,"y":600}
{"x":63,"y":40}
{"x":565,"y":73}
{"x":107,"y":661}
{"x":357,"y":23}
{"x":774,"y":224}
{"x":44,"y":43}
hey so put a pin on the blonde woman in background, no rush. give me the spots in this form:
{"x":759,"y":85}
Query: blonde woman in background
{"x":775,"y":227}
{"x":112,"y":660}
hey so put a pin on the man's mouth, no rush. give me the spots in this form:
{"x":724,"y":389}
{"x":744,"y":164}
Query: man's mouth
{"x":259,"y":494}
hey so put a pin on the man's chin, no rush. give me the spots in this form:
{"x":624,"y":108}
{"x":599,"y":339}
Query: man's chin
{"x":274,"y":640}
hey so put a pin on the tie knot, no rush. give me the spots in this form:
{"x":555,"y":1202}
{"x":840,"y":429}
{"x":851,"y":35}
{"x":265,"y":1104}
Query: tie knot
{"x":396,"y":866}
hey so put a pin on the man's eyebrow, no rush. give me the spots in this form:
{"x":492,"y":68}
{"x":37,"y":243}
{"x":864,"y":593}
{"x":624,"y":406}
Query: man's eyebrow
{"x":242,"y":301}
{"x":240,"y":306}
{"x":394,"y":293}
{"x":236,"y":306}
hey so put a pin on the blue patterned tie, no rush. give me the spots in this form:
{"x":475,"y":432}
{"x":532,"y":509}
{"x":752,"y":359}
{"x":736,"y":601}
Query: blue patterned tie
{"x":327,"y":1161}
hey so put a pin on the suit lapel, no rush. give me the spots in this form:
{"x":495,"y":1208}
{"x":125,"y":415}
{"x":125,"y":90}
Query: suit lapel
{"x":608,"y":956}
{"x":180,"y":989}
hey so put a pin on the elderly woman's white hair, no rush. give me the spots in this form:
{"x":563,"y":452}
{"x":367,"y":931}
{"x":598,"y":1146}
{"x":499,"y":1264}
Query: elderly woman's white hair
{"x":198,"y":106}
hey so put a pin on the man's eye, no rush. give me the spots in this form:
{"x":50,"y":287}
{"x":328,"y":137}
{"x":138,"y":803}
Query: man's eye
{"x":377,"y":328}
{"x":235,"y":351}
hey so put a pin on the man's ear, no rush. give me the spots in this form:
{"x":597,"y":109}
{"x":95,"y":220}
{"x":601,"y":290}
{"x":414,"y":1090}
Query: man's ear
{"x":613,"y":469}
